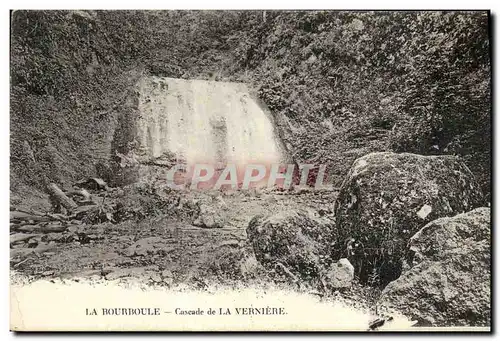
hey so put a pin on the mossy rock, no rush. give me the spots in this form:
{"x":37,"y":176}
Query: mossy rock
{"x":448,"y":282}
{"x":387,"y":197}
{"x":298,"y":239}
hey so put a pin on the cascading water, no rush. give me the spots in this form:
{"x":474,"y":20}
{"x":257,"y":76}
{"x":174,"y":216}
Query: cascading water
{"x":197,"y":121}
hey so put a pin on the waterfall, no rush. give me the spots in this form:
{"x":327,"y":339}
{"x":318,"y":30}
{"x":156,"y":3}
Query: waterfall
{"x":198,"y":121}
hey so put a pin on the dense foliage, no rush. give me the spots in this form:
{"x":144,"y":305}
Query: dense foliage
{"x":340,"y":84}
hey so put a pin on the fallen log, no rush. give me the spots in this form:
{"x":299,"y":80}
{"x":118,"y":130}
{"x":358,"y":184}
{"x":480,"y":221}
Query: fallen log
{"x":59,"y":197}
{"x":86,"y":208}
{"x":16,"y":226}
{"x":82,"y":211}
{"x":21,"y":262}
{"x":22,"y":216}
{"x":43,"y":229}
{"x":32,"y":212}
{"x":52,"y":228}
{"x":57,"y":216}
{"x":25,"y":228}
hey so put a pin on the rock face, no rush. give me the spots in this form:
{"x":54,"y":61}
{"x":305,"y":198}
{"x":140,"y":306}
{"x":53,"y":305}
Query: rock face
{"x":387,"y":197}
{"x":448,"y":283}
{"x":299,"y":240}
{"x":339,"y":274}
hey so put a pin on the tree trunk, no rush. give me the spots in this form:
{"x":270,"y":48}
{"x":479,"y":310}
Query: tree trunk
{"x":58,"y":196}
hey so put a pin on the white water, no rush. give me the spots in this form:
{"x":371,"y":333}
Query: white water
{"x":204,"y":121}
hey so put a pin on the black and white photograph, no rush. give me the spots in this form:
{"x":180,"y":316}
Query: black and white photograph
{"x":250,"y":170}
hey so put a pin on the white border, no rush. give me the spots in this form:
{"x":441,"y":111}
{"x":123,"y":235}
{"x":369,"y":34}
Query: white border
{"x":190,"y":4}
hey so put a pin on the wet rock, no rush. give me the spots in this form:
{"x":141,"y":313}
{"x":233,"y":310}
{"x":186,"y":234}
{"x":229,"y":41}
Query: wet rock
{"x":296,"y":239}
{"x":448,"y":280}
{"x":339,"y":274}
{"x":93,"y":184}
{"x":387,"y":197}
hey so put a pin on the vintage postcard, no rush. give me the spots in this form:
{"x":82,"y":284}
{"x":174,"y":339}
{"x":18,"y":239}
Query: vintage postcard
{"x":250,"y":170}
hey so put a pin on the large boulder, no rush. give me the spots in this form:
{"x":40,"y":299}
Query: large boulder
{"x":387,"y":197}
{"x":300,"y":240}
{"x":448,"y":283}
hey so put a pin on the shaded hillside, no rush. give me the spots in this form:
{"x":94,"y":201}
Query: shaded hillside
{"x":340,"y":84}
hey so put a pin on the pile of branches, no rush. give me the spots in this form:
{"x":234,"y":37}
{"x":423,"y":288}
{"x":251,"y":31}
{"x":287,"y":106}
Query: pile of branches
{"x":33,"y":231}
